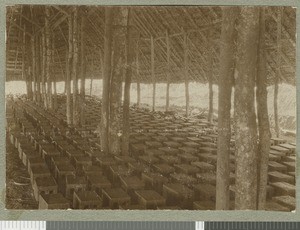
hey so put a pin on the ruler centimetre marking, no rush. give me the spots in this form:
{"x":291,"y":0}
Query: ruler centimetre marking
{"x":146,"y":225}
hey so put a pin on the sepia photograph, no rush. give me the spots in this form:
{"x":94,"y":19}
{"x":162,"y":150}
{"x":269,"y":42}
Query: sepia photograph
{"x":150,"y":107}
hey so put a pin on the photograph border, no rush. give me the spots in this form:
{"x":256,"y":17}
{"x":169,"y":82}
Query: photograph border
{"x":157,"y":215}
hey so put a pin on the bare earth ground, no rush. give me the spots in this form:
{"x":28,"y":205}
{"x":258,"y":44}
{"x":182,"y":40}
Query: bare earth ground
{"x":19,"y":193}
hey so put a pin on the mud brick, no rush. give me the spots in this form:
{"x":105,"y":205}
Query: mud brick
{"x":115,"y":197}
{"x":280,"y":177}
{"x":170,"y":159}
{"x":35,"y":161}
{"x":154,"y":181}
{"x":62,"y":145}
{"x":184,"y":179}
{"x":209,"y":178}
{"x":194,"y":139}
{"x":153,"y":144}
{"x":106,"y":162}
{"x":44,"y":185}
{"x":204,"y":205}
{"x":172,"y":144}
{"x":138,"y":149}
{"x":116,"y":171}
{"x":124,"y":159}
{"x":138,"y":168}
{"x":191,"y":144}
{"x":62,"y":170}
{"x":38,"y":171}
{"x":209,"y":158}
{"x":27,"y":154}
{"x":207,"y":150}
{"x":277,"y":141}
{"x":286,"y":201}
{"x":283,"y":188}
{"x":142,"y":138}
{"x":48,"y":153}
{"x":178,"y":139}
{"x":131,"y":183}
{"x":150,"y":199}
{"x":154,"y":152}
{"x":189,"y":150}
{"x":86,"y":200}
{"x":74,"y":153}
{"x":293,"y":174}
{"x":148,"y":159}
{"x":290,"y":147}
{"x":279,"y":149}
{"x":275,"y":166}
{"x":289,"y":159}
{"x":56,"y":160}
{"x":178,"y":194}
{"x":160,"y":138}
{"x":203,"y":166}
{"x":53,"y":201}
{"x":163,"y":168}
{"x":44,"y":145}
{"x":74,"y":184}
{"x":187,"y":157}
{"x":270,"y":191}
{"x":273,"y":157}
{"x":273,"y":206}
{"x":291,"y":166}
{"x":169,"y":150}
{"x":277,"y":153}
{"x":97,"y":183}
{"x":95,"y":154}
{"x":82,"y":161}
{"x":25,"y":147}
{"x":92,"y":170}
{"x":186,"y":168}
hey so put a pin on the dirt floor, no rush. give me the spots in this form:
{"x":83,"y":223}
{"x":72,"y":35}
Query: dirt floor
{"x":19,"y":193}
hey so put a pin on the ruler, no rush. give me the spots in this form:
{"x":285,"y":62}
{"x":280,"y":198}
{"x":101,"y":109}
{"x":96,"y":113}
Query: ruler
{"x":145,"y":225}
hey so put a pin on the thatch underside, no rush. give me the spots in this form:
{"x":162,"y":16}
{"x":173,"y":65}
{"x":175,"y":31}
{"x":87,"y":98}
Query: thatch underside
{"x":202,"y":24}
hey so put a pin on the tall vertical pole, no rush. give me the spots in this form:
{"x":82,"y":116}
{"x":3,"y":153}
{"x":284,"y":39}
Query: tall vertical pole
{"x":225,"y":83}
{"x":210,"y":76}
{"x":48,"y":57}
{"x":153,"y":74}
{"x":138,"y":86}
{"x":69,"y":71}
{"x":262,"y":116}
{"x":278,"y":71}
{"x":186,"y":74}
{"x":75,"y":67}
{"x":168,"y":72}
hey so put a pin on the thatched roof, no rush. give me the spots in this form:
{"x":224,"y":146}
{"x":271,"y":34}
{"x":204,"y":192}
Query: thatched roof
{"x":201,"y":23}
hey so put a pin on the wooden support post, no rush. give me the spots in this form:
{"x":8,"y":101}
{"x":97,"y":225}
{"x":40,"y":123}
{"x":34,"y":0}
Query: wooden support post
{"x":128,"y":75}
{"x":83,"y":68}
{"x":106,"y":78}
{"x":48,"y":58}
{"x":120,"y":21}
{"x":278,"y":72}
{"x":83,"y":58}
{"x":227,"y":61}
{"x":34,"y":75}
{"x":75,"y":68}
{"x":38,"y":69}
{"x":138,"y":85}
{"x":186,"y":75}
{"x":24,"y":74}
{"x":92,"y":76}
{"x":244,"y":110}
{"x":168,"y":72}
{"x":53,"y":73}
{"x":153,"y":73}
{"x":69,"y":71}
{"x":43,"y":49}
{"x":263,"y":116}
{"x":210,"y":77}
